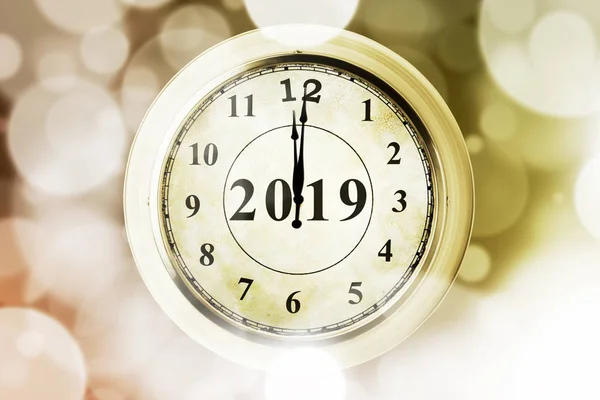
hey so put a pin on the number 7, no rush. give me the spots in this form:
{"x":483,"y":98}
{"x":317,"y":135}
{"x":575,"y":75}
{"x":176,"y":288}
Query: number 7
{"x":247,"y":282}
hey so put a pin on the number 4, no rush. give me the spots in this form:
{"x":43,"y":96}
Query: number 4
{"x":386,"y":251}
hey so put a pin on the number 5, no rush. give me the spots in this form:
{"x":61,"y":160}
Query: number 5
{"x":353,"y":290}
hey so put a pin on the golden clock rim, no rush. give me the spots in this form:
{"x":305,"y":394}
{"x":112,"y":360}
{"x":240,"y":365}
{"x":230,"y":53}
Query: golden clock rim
{"x":448,"y":153}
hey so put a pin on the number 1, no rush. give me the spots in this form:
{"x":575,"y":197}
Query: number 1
{"x":288,"y":90}
{"x":367,"y":104}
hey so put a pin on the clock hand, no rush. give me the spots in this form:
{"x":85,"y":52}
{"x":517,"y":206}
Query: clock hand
{"x":295,"y":139}
{"x":298,"y":179}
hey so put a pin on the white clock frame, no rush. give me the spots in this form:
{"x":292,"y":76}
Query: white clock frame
{"x":450,"y":163}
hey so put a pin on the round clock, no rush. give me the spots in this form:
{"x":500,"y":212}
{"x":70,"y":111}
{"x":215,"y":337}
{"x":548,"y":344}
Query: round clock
{"x":281,"y":194}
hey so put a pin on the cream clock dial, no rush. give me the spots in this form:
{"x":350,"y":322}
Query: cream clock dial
{"x":297,"y":198}
{"x":298,"y":195}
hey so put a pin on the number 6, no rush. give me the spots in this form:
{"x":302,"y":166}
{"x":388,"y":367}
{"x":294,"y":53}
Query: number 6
{"x":292,"y":304}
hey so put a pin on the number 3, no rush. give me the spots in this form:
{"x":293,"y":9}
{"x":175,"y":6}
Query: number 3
{"x":401,"y":200}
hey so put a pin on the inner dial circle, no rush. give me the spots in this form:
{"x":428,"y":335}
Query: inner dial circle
{"x":284,"y":244}
{"x":326,"y":234}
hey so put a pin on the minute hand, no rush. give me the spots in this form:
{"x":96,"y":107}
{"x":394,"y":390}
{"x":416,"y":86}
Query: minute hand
{"x":298,"y":178}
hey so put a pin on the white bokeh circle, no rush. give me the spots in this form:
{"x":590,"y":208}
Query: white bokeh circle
{"x":104,"y":50}
{"x":145,"y":75}
{"x":587,"y":197}
{"x":67,"y":143}
{"x":498,"y":121}
{"x":146,"y":4}
{"x":305,"y":373}
{"x":512,"y":16}
{"x":11,"y":56}
{"x":189,"y":31}
{"x":75,"y":255}
{"x":77,"y":16}
{"x":332,"y":13}
{"x":57,"y":70}
{"x":13,"y":257}
{"x":544,"y":54}
{"x":476,"y":266}
{"x":40,"y":359}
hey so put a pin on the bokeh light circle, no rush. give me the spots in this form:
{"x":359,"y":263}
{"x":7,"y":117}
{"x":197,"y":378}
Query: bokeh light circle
{"x":147,"y":4}
{"x":572,"y":34}
{"x":67,"y":143}
{"x":426,"y":66}
{"x":180,"y":369}
{"x":113,"y":328}
{"x":332,"y":13}
{"x":435,"y":360}
{"x":413,"y":20}
{"x":498,"y":121}
{"x":546,"y":58}
{"x":554,"y":340}
{"x":75,"y":254}
{"x":476,"y":265}
{"x":11,"y":57}
{"x":551,"y":143}
{"x":107,"y":394}
{"x":501,"y":189}
{"x":457,"y":48}
{"x":305,"y":373}
{"x":40,"y":359}
{"x":57,"y":70}
{"x":77,"y":16}
{"x":401,"y":17}
{"x":512,"y":16}
{"x":13,"y":260}
{"x":475,"y":144}
{"x":145,"y":75}
{"x":104,"y":50}
{"x":189,"y":31}
{"x":587,"y":197}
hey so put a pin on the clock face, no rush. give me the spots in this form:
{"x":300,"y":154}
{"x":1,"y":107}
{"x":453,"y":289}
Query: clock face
{"x":297,"y":200}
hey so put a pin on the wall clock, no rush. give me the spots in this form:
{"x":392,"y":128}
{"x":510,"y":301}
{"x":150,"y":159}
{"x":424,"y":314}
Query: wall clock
{"x":281,"y":195}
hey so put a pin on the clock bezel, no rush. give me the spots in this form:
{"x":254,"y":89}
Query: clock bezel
{"x":450,"y":170}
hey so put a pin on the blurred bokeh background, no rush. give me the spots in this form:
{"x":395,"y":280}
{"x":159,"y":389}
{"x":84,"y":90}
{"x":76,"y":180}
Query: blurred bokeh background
{"x":523,"y":80}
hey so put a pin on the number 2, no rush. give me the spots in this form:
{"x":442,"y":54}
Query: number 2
{"x":248,"y":192}
{"x":395,"y":160}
